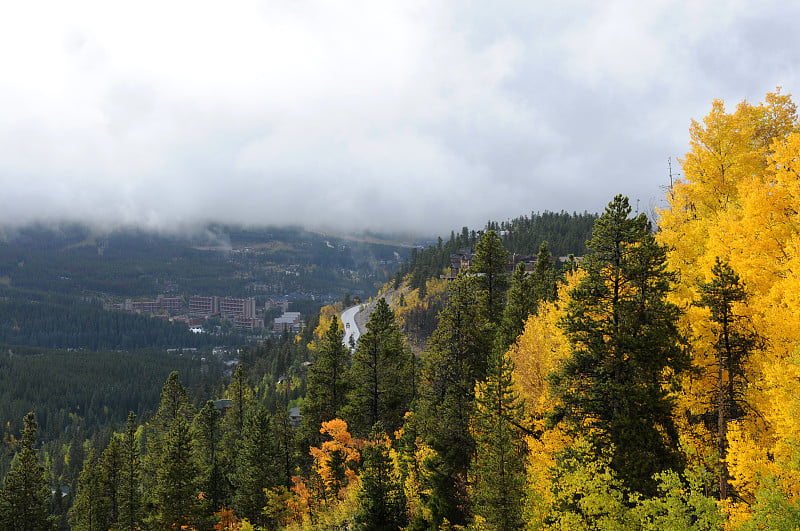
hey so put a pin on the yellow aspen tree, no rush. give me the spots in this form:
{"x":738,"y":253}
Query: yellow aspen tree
{"x":326,"y":315}
{"x":335,"y":459}
{"x":739,"y":201}
{"x":536,"y":353}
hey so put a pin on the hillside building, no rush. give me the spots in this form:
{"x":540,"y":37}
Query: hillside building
{"x":291,"y":321}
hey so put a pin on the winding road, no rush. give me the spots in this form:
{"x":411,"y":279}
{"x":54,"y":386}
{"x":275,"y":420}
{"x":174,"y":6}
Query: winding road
{"x":350,"y":328}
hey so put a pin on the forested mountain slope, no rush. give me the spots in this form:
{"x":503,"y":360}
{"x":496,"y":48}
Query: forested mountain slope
{"x":655,"y":384}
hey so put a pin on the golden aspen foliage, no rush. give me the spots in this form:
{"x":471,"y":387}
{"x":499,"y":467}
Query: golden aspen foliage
{"x":409,"y":454}
{"x":326,"y":315}
{"x":300,"y":503}
{"x":540,"y":348}
{"x":416,"y":485}
{"x":227,"y":520}
{"x":537,"y":352}
{"x":739,"y":200}
{"x":436,"y":291}
{"x":333,"y":459}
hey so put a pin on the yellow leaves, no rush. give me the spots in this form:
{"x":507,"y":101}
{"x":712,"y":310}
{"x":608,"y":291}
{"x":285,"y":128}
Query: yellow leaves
{"x":342,"y":446}
{"x":755,"y":471}
{"x":326,"y":315}
{"x":416,"y":478}
{"x":720,"y":155}
{"x":740,"y":201}
{"x":542,"y":453}
{"x":747,"y":462}
{"x":436,"y":290}
{"x":540,"y":349}
{"x":537,"y":352}
{"x":227,"y":520}
{"x":300,"y":503}
{"x":782,"y":383}
{"x":328,"y":498}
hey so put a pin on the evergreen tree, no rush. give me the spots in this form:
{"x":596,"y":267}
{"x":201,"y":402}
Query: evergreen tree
{"x":110,"y":468}
{"x":614,"y":389}
{"x":489,"y":268}
{"x":130,"y":505}
{"x":241,"y":397}
{"x":174,"y":408}
{"x":88,"y":511}
{"x":58,"y":505}
{"x":207,"y":439}
{"x":381,"y":375}
{"x":543,"y":277}
{"x":175,"y":494}
{"x":256,"y":466}
{"x":498,"y":467}
{"x":382,"y":500}
{"x":25,"y":497}
{"x":734,"y":343}
{"x":174,"y":403}
{"x":455,"y":360}
{"x":328,"y":384}
{"x":521,"y":303}
{"x":284,"y":438}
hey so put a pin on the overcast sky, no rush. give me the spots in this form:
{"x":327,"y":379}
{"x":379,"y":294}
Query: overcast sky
{"x":407,"y":115}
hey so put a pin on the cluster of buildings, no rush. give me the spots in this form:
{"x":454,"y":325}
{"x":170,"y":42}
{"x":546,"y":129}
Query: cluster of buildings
{"x":169,"y":305}
{"x":241,"y":312}
{"x":461,"y":261}
{"x":290,"y":321}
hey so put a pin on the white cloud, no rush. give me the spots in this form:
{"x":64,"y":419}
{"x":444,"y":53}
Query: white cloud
{"x":420,"y":115}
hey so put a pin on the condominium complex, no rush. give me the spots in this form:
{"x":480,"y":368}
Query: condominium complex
{"x":242,"y":312}
{"x":161,"y":304}
{"x":291,"y":321}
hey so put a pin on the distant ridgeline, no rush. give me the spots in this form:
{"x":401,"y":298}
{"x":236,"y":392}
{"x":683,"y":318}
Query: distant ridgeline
{"x":564,"y":233}
{"x":129,"y":263}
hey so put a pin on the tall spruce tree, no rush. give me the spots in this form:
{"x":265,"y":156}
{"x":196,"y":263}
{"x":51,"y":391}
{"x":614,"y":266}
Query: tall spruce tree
{"x":489,"y":267}
{"x":206,"y":448}
{"x":88,"y":512}
{"x":735,"y":341}
{"x":241,"y":398}
{"x":174,"y":407}
{"x":521,"y":304}
{"x":130,"y":506}
{"x":456,"y":358}
{"x":382,"y":499}
{"x":25,"y":496}
{"x":328,"y":384}
{"x":381,"y":375}
{"x":256,"y":466}
{"x":110,"y":468}
{"x":543,"y":276}
{"x":175,"y":493}
{"x":524,"y":295}
{"x":498,"y":468}
{"x":240,"y":395}
{"x":614,"y":389}
{"x":285,"y":444}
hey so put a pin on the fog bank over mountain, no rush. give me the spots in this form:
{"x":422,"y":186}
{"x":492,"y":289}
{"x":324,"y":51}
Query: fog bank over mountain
{"x":418,"y":116}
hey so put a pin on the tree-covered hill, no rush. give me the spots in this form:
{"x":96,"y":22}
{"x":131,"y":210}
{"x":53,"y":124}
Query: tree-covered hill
{"x":224,"y":260}
{"x":81,"y":325}
{"x":564,"y":233}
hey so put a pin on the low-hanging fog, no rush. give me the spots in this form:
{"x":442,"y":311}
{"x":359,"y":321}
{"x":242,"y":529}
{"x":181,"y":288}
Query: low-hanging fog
{"x":403,"y":115}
